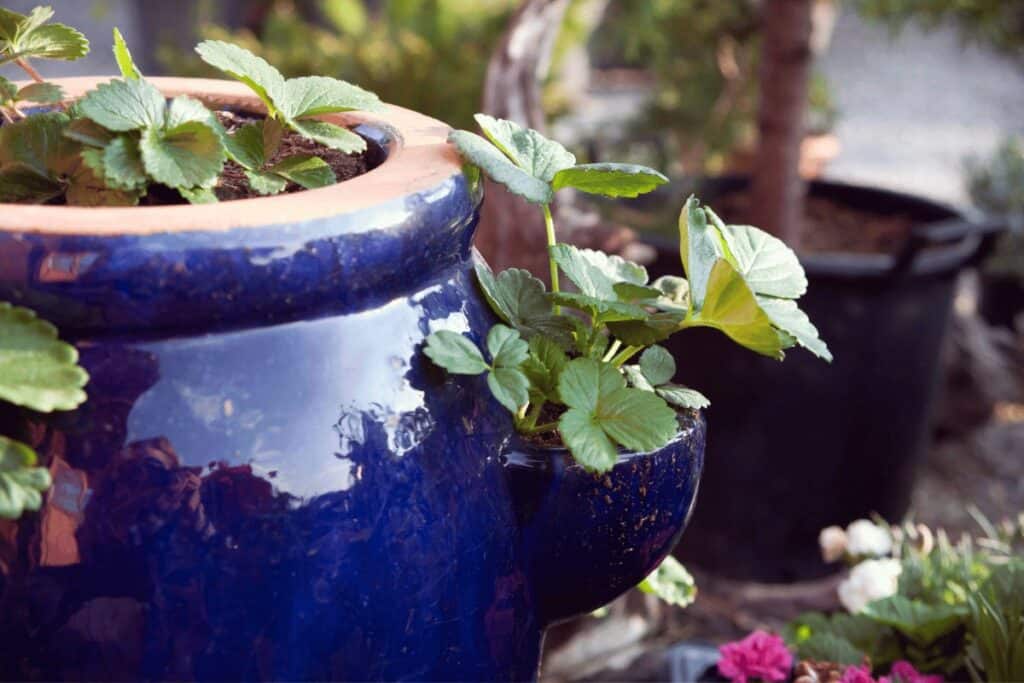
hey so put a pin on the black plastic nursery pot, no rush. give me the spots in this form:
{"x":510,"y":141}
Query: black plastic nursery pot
{"x":1001,"y":299}
{"x":797,"y":446}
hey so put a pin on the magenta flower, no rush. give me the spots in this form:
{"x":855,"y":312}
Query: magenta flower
{"x":760,"y":655}
{"x":857,"y":674}
{"x":904,"y":672}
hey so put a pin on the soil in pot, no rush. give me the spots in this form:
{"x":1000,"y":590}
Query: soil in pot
{"x":233,"y":183}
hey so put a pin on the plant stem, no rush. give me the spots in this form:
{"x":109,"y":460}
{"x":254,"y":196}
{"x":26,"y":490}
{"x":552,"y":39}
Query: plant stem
{"x":540,"y":429}
{"x":29,"y":69}
{"x":625,"y":355}
{"x":531,"y":417}
{"x":612,"y":350}
{"x":6,"y":115}
{"x":549,"y":228}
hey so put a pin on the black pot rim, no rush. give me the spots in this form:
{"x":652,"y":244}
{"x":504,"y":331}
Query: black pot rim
{"x":947,"y":238}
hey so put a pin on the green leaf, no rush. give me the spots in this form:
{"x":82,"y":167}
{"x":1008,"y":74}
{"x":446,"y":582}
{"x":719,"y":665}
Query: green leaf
{"x":43,"y":93}
{"x":658,"y":365}
{"x":682,"y":397}
{"x":198,"y":195}
{"x":88,"y":132}
{"x":828,"y":647}
{"x":699,"y":247}
{"x":671,"y":582}
{"x":590,"y":446}
{"x":122,"y":106}
{"x":305,"y":170}
{"x":478,"y":151}
{"x":599,"y":310}
{"x":518,"y":298}
{"x":769,"y":267}
{"x":788,"y":317}
{"x":123,"y":57}
{"x":601,"y":407}
{"x":732,"y":308}
{"x":30,"y":36}
{"x":88,"y":187}
{"x":609,"y":180}
{"x":266,"y":81}
{"x":184,"y":109}
{"x":37,"y":370}
{"x":636,"y":378}
{"x":630,"y":293}
{"x":510,"y":387}
{"x":655,"y":328}
{"x":8,"y":90}
{"x":246,"y":146}
{"x":266,"y":183}
{"x":39,"y":143}
{"x":122,"y":165}
{"x":675,"y":293}
{"x":455,"y":353}
{"x":21,"y":483}
{"x":595,"y":272}
{"x":188,"y":155}
{"x":916,"y":620}
{"x":544,"y":366}
{"x":21,"y":184}
{"x":330,"y":135}
{"x":318,"y":95}
{"x":506,"y":347}
{"x":529,"y":150}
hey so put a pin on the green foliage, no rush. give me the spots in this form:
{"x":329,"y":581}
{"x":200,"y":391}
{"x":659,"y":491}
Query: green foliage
{"x":24,"y":37}
{"x":992,"y":23}
{"x":427,"y":55}
{"x":124,"y":136}
{"x":21,"y":482}
{"x":295,"y":101}
{"x":671,"y":582}
{"x":578,"y":343}
{"x":996,"y":625}
{"x":996,"y":185}
{"x":41,"y":373}
{"x":959,"y":610}
{"x":37,"y":370}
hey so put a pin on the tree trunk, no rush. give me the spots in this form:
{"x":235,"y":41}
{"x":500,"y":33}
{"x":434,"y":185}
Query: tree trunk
{"x":511,"y":231}
{"x":778,"y":191}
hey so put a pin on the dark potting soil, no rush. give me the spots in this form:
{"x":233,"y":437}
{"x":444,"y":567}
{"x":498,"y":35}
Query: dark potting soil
{"x":831,"y":226}
{"x":233,"y":183}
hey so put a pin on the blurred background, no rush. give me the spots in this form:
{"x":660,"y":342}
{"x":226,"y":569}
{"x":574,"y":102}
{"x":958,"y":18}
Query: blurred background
{"x":907,"y":159}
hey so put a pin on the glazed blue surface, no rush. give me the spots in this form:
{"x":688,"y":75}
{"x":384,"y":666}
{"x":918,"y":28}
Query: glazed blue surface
{"x":269,"y":481}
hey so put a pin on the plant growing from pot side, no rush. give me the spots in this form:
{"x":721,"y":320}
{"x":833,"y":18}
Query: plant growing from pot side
{"x":560,"y":361}
{"x":124,"y":140}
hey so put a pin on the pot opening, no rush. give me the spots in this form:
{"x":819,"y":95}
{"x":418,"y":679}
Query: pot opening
{"x":234,"y":183}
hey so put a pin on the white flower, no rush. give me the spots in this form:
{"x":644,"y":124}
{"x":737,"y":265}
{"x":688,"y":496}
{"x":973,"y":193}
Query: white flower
{"x":833,"y":543}
{"x":869,"y":581}
{"x":867,"y":539}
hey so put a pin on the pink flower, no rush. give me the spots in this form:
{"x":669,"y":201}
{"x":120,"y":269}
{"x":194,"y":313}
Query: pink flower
{"x":857,"y":674}
{"x":904,"y":672}
{"x":760,"y":655}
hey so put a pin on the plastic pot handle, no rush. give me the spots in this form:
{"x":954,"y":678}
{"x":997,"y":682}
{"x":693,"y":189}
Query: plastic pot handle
{"x":988,"y":228}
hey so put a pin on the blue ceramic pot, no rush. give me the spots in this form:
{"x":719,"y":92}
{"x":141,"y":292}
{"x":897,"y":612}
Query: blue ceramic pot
{"x":268,"y":480}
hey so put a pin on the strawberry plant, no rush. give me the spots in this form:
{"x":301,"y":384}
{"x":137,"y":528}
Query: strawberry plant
{"x":559,"y":360}
{"x":121,"y":141}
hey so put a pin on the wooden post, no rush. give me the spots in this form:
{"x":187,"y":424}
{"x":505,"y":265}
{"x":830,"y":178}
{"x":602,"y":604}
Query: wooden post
{"x":778,"y":191}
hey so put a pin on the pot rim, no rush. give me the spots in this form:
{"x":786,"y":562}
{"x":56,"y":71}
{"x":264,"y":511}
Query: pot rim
{"x":419,"y":157}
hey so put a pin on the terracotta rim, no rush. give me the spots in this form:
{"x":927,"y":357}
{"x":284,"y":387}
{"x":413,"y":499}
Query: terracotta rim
{"x":419,"y":159}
